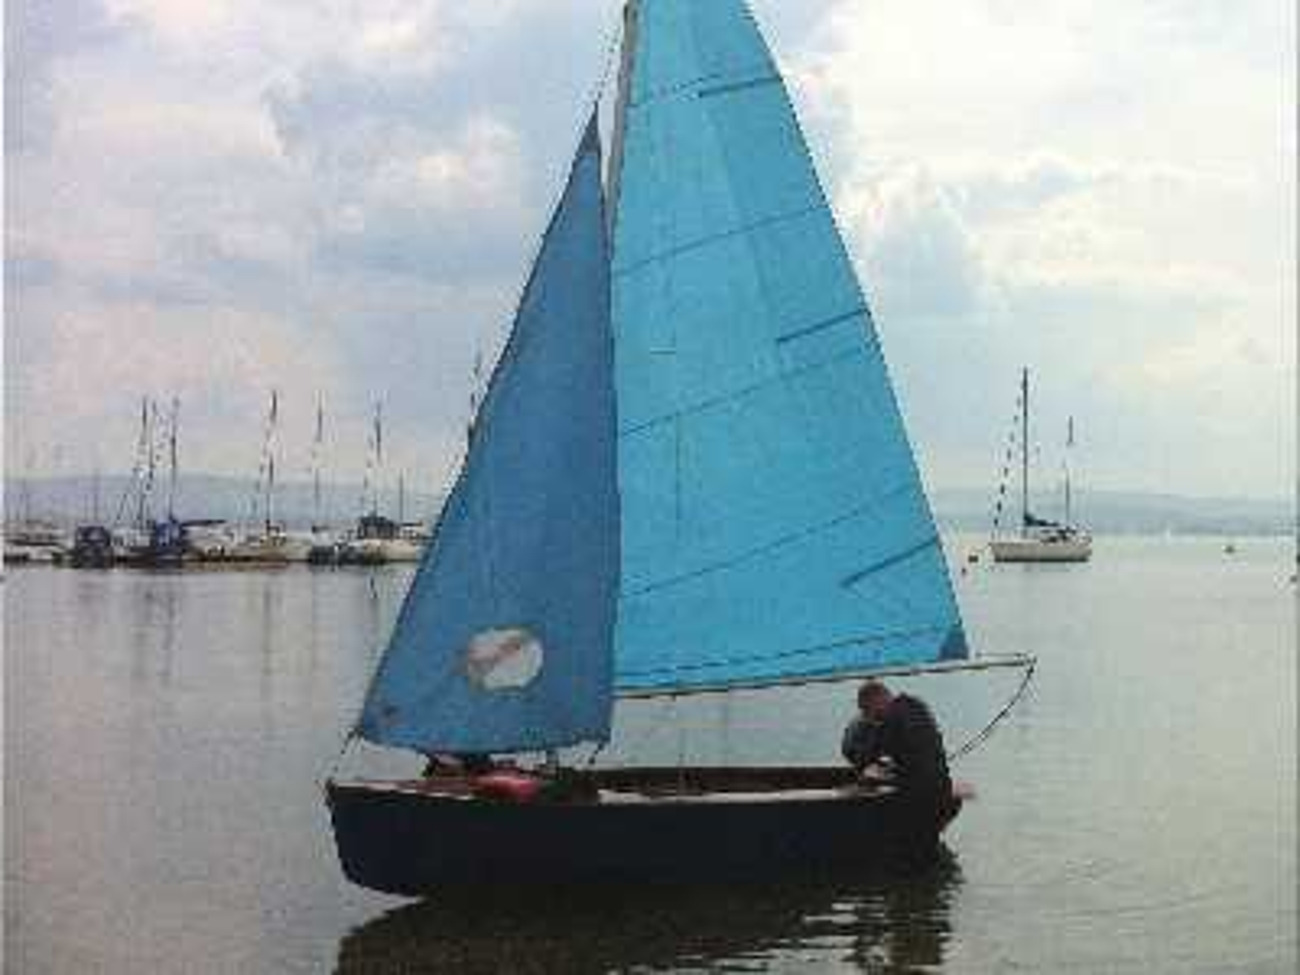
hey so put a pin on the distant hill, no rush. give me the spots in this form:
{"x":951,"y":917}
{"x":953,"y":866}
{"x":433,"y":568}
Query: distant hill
{"x":69,"y":500}
{"x":1127,"y":513}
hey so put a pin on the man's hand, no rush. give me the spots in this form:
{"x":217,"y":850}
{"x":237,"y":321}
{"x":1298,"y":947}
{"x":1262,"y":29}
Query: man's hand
{"x":878,"y":772}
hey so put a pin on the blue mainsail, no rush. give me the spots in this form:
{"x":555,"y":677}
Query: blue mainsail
{"x":504,"y":640}
{"x":774,"y":526}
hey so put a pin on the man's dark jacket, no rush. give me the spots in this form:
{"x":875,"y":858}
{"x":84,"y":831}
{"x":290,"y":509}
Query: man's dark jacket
{"x":909,"y":735}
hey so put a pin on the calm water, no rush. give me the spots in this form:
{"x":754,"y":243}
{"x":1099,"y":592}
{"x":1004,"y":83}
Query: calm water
{"x":165,"y":736}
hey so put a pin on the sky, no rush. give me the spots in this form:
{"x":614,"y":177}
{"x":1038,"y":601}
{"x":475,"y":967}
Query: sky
{"x":211,"y":199}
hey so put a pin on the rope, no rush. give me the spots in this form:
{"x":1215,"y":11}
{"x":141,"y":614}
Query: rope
{"x":591,"y":759}
{"x":338,"y":760}
{"x":614,"y":37}
{"x":988,"y":729}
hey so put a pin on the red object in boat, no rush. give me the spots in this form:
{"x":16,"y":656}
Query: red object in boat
{"x":507,"y":786}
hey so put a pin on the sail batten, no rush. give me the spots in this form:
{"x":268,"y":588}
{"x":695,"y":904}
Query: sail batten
{"x":821,"y":326}
{"x":711,"y":84}
{"x":732,"y":396}
{"x":716,"y":237}
{"x":732,"y":87}
{"x":773,"y":545}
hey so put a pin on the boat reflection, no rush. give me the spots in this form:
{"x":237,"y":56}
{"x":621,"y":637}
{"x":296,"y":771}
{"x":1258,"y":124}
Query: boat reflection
{"x":878,"y":924}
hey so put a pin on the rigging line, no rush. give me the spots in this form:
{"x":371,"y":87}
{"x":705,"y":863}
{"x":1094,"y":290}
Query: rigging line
{"x":614,"y":35}
{"x":132,"y":485}
{"x":595,"y":753}
{"x":983,"y":735}
{"x":1003,"y":479}
{"x":333,"y":769}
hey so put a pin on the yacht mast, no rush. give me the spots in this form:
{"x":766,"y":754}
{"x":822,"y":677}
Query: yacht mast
{"x":379,"y":457}
{"x":317,"y":448}
{"x":1069,"y":443}
{"x":1024,"y":450}
{"x":174,"y":472}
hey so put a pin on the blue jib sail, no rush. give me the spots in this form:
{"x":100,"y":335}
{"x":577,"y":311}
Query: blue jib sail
{"x":774,"y":527}
{"x":504,"y":641}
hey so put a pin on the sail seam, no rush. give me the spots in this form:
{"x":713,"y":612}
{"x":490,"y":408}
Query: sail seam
{"x":692,"y":245}
{"x":860,"y":640}
{"x":769,"y":547}
{"x":735,"y":86}
{"x":716,"y":401}
{"x":683,"y":87}
{"x":822,"y":325}
{"x":851,"y":581}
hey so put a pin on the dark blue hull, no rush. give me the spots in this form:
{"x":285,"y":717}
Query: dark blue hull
{"x":726,"y":824}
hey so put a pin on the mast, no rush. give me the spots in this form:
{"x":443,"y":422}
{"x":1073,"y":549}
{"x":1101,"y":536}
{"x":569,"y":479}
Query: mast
{"x":27,"y":488}
{"x":266,"y":468}
{"x":317,"y":447}
{"x":270,"y":458}
{"x":379,"y":457}
{"x":1069,"y":442}
{"x":1024,"y":450}
{"x":143,"y":508}
{"x":625,"y":66}
{"x":171,"y":448}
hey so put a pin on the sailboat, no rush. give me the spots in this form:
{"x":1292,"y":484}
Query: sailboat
{"x":148,"y":542}
{"x":325,"y":547}
{"x":688,"y":475}
{"x":269,"y":543}
{"x":378,"y":539}
{"x":1040,"y":539}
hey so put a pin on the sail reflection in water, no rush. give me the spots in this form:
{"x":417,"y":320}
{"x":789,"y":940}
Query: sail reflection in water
{"x":881,"y":925}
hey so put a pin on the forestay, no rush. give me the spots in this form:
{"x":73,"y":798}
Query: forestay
{"x":774,"y":527}
{"x":504,"y":640}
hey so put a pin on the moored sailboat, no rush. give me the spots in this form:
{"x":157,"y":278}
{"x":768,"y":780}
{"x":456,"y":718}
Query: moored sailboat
{"x":1040,"y":539}
{"x":378,"y":539}
{"x":263,"y":541}
{"x":688,"y":475}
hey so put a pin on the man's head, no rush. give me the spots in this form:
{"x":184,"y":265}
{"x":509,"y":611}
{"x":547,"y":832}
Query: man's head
{"x":873,"y":700}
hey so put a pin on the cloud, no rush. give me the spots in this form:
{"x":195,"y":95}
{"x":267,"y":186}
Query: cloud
{"x":343,"y":198}
{"x":95,"y":359}
{"x":913,"y":238}
{"x":37,"y":37}
{"x":408,"y":209}
{"x":1102,"y":195}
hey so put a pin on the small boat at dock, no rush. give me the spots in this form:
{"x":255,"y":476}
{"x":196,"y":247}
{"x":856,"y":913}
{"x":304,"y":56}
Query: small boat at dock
{"x":379,"y":541}
{"x":34,"y":543}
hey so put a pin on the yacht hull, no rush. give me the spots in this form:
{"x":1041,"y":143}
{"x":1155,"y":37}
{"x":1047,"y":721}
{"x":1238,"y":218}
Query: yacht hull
{"x":416,"y":837}
{"x":1036,"y":550}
